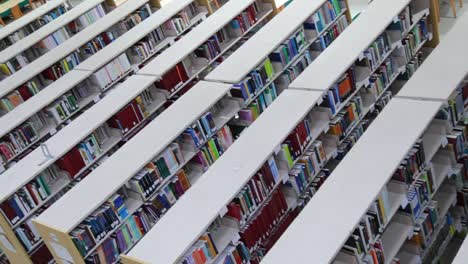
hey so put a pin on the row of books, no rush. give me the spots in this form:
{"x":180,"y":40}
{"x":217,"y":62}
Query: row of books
{"x":33,"y":26}
{"x":175,"y":78}
{"x":138,"y":224}
{"x":147,"y":180}
{"x":28,"y":235}
{"x":135,"y":112}
{"x":134,"y":19}
{"x":286,"y":54}
{"x":180,"y":22}
{"x":213,"y":148}
{"x":66,"y":105}
{"x":325,"y":15}
{"x":111,"y":72}
{"x":86,"y":152}
{"x":21,"y":138}
{"x":255,"y":193}
{"x":200,"y":131}
{"x":29,"y":197}
{"x":95,"y":227}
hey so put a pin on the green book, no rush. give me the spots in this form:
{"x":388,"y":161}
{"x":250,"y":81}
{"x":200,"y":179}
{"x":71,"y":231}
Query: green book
{"x":43,"y":184}
{"x":287,"y":155}
{"x":213,"y":148}
{"x":336,"y":6}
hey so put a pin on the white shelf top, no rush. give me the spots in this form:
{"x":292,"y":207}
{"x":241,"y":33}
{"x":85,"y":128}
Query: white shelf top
{"x":65,"y":139}
{"x":67,"y":47}
{"x":264,"y":42}
{"x":24,"y":111}
{"x":192,"y":40}
{"x":104,"y":181}
{"x":462,"y":255}
{"x":344,"y":51}
{"x":29,"y":17}
{"x":48,"y":29}
{"x":133,"y":36}
{"x":332,"y":214}
{"x":430,"y":81}
{"x":200,"y":205}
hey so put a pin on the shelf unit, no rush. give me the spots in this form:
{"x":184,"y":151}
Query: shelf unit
{"x":32,"y":16}
{"x":116,"y":172}
{"x":83,"y":126}
{"x":65,"y":139}
{"x":346,"y":213}
{"x":223,"y":180}
{"x":29,"y":41}
{"x":181,"y":50}
{"x":254,"y":54}
{"x":418,"y":101}
{"x":158,"y":246}
{"x":85,"y":71}
{"x":36,"y":67}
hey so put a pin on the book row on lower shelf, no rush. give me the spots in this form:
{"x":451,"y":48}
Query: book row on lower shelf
{"x":33,"y":26}
{"x":67,"y":64}
{"x":424,"y":205}
{"x":79,"y":97}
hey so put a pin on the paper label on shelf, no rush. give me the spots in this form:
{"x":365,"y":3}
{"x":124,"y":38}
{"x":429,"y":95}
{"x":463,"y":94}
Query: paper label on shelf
{"x":404,"y":202}
{"x":396,"y":19}
{"x":223,"y":211}
{"x":444,"y":141}
{"x":97,"y":98}
{"x":62,"y":252}
{"x":6,"y":244}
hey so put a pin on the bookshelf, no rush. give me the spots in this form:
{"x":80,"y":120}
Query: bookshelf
{"x":113,"y":58}
{"x":228,"y":174}
{"x":49,"y":36}
{"x":61,"y":145}
{"x":176,"y":119}
{"x":101,"y":116}
{"x":256,"y":56}
{"x":183,"y":54}
{"x":441,"y":164}
{"x":25,"y":25}
{"x":224,"y":233}
{"x":402,"y":133}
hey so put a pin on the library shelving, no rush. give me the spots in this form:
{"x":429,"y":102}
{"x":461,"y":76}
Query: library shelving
{"x":229,"y":174}
{"x":190,"y":165}
{"x":413,"y":201}
{"x":226,"y":232}
{"x":118,"y":116}
{"x":260,"y":70}
{"x":51,"y":35}
{"x":65,"y":162}
{"x":169,"y":145}
{"x":35,"y":19}
{"x":189,"y":59}
{"x":103,"y":71}
{"x":14,"y":145}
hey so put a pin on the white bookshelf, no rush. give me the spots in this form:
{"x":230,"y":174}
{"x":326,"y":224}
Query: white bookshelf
{"x":447,"y":54}
{"x":368,"y":26}
{"x":68,"y":137}
{"x":127,"y":40}
{"x":180,"y":50}
{"x":173,"y":235}
{"x":73,"y":43}
{"x":330,"y":217}
{"x":26,"y":110}
{"x":116,"y":171}
{"x":259,"y":46}
{"x":462,"y":254}
{"x":29,"y":18}
{"x":30,"y":40}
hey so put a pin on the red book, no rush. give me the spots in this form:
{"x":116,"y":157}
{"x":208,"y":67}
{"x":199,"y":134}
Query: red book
{"x":42,"y":255}
{"x":234,"y":211}
{"x":125,"y":119}
{"x":24,"y":92}
{"x":30,"y":188}
{"x":9,"y":212}
{"x":72,"y":162}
